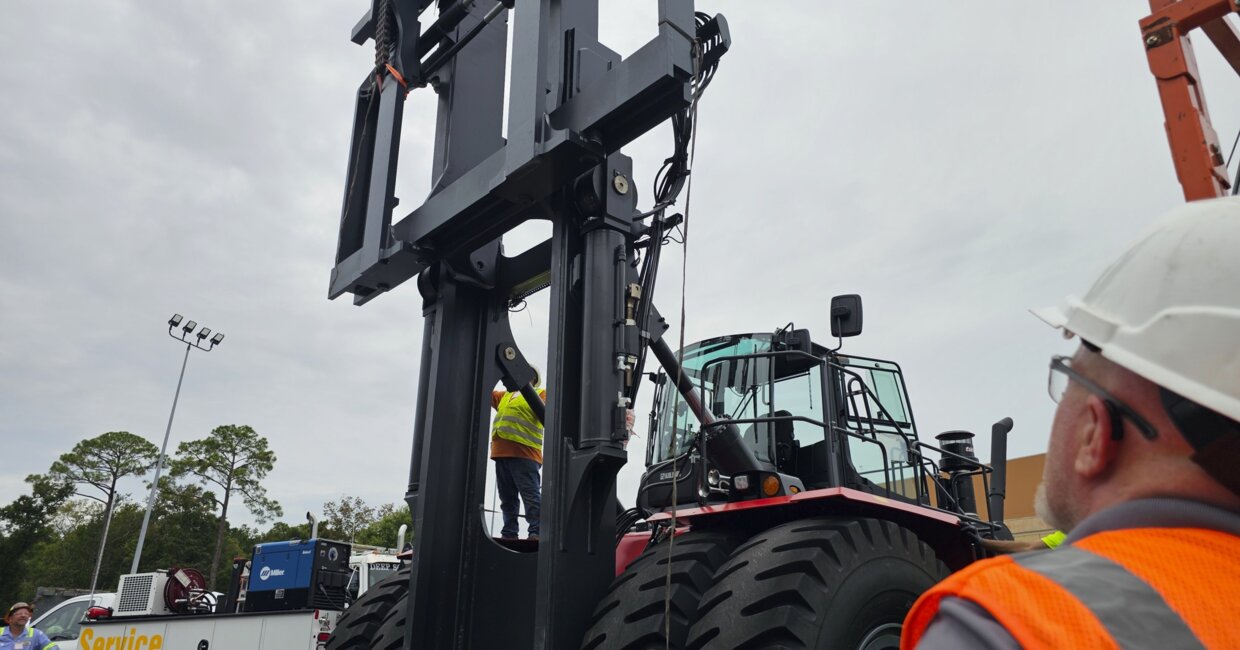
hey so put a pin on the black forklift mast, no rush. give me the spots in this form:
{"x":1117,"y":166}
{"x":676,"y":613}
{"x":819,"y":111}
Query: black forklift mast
{"x":572,"y":105}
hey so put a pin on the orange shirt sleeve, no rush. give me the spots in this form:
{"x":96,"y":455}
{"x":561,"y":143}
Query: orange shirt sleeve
{"x":496,"y":396}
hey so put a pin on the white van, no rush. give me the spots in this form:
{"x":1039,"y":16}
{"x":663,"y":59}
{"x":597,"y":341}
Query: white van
{"x":63,"y":622}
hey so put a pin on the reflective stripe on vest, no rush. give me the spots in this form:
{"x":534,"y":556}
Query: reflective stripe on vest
{"x":515,"y":421}
{"x":1128,"y":588}
{"x":1133,"y":613}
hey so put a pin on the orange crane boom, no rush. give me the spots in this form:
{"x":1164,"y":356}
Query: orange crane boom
{"x":1199,"y":162}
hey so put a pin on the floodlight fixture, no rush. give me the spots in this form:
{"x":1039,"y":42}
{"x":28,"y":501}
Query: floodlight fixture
{"x":190,"y":344}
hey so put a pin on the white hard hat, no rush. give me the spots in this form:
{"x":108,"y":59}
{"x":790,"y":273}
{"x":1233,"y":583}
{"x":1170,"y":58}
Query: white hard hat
{"x":1169,"y":308}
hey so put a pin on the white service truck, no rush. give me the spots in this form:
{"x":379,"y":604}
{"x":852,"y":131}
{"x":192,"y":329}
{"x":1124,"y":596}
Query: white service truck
{"x":288,"y":596}
{"x":63,"y":622}
{"x":286,"y":630}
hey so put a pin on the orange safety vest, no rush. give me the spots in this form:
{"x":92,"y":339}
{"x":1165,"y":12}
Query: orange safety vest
{"x":1131,"y":588}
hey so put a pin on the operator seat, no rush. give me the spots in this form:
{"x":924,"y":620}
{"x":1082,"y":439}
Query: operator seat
{"x":785,"y":442}
{"x":757,"y":436}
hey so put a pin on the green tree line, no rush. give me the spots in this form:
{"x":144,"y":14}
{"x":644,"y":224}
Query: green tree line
{"x":52,"y":536}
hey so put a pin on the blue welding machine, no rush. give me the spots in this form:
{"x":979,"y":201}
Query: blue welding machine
{"x":298,"y":575}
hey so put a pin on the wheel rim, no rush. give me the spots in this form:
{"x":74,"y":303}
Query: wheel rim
{"x":883,"y":637}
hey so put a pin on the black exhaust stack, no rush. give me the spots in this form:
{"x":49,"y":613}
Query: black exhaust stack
{"x":998,"y":464}
{"x":959,"y":463}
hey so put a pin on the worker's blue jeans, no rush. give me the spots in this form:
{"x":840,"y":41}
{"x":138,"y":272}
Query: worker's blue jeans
{"x":518,"y":477}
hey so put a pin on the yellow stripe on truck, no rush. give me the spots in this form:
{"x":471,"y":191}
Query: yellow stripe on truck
{"x":129,"y":641}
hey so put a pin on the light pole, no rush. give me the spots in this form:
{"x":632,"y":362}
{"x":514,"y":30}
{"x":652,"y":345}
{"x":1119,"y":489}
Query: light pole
{"x":206,"y":345}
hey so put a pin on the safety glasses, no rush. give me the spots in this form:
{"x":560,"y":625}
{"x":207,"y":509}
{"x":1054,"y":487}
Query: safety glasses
{"x":1062,"y":374}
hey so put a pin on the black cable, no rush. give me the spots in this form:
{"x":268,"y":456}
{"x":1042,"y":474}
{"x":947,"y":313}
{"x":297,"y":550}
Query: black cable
{"x":443,"y":55}
{"x":1235,"y":185}
{"x":668,"y":183}
{"x":646,"y":280}
{"x":357,"y":159}
{"x":625,"y":521}
{"x":1233,"y":150}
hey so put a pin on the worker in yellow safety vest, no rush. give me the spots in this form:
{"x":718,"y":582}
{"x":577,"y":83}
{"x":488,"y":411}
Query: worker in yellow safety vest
{"x":516,"y":448}
{"x":1142,"y":470}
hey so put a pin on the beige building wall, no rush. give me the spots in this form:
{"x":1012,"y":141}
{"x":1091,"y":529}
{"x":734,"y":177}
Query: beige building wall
{"x":1023,"y":476}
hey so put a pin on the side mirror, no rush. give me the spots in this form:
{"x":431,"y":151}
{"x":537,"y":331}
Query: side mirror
{"x":846,"y":315}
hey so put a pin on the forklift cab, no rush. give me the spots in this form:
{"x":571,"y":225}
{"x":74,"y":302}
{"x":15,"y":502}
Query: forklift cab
{"x":787,"y":399}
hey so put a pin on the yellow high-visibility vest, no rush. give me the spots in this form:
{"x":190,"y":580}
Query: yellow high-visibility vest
{"x":515,"y":421}
{"x":1054,"y":539}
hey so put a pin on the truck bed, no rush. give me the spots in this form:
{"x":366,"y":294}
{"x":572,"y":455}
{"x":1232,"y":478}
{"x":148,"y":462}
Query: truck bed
{"x":284,"y":630}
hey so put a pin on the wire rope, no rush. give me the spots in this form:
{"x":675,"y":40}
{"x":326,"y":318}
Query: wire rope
{"x":699,"y":86}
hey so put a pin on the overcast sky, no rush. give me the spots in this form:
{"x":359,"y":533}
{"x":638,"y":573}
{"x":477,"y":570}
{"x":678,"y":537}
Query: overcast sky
{"x":954,"y":162}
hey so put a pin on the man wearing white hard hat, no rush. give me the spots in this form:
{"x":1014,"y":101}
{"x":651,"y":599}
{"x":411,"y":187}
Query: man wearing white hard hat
{"x":1142,"y":469}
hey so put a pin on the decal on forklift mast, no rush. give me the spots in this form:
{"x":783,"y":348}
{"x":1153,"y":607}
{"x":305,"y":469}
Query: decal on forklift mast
{"x":130,"y":641}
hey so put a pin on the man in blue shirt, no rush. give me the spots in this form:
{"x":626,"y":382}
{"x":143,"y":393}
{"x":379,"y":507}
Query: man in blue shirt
{"x":19,"y":635}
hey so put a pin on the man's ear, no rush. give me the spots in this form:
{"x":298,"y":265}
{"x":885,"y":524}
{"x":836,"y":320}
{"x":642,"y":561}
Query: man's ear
{"x":1099,"y":438}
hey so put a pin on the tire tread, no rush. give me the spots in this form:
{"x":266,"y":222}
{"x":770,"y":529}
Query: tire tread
{"x":631,"y":615}
{"x":775,"y":589}
{"x":358,"y":625}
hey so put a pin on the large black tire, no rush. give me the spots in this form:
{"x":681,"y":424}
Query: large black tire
{"x":631,"y":615}
{"x":817,"y":583}
{"x":358,"y":624}
{"x":391,"y":634}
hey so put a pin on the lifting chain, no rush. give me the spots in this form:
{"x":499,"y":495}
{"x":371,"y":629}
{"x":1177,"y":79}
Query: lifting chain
{"x":384,"y":44}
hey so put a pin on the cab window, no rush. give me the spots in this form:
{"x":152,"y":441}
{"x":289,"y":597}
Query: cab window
{"x":801,"y":395}
{"x":721,"y":385}
{"x":380,"y":571}
{"x":65,"y":622}
{"x":875,"y":409}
